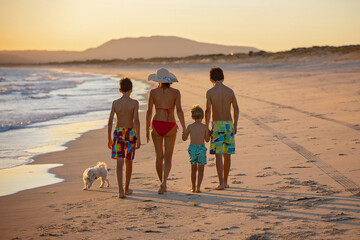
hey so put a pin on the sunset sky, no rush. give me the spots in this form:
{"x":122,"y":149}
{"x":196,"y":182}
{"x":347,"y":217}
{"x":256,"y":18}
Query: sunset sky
{"x":270,"y":25}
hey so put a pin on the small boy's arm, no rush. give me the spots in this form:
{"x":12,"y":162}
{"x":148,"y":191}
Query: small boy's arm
{"x":207,"y":134}
{"x":110,"y":123}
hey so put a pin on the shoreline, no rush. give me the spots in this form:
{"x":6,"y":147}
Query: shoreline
{"x":29,"y":172}
{"x":274,"y":191}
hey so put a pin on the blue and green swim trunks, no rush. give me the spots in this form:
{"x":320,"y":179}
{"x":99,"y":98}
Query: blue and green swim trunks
{"x":197,"y":154}
{"x":222,"y":137}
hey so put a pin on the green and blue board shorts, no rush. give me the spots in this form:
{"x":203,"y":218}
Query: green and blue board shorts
{"x":222,"y":137}
{"x":197,"y":154}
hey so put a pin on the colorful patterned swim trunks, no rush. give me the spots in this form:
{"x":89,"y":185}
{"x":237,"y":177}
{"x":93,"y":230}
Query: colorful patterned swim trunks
{"x":222,"y":137}
{"x":197,"y":154}
{"x":124,"y":143}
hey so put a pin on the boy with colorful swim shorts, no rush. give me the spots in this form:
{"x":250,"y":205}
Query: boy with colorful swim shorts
{"x":126,"y":137}
{"x":199,"y":133}
{"x":219,"y":100}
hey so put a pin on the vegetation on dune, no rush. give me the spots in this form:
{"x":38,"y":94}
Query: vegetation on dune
{"x":351,"y":52}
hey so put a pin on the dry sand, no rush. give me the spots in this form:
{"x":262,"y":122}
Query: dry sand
{"x":295,"y":175}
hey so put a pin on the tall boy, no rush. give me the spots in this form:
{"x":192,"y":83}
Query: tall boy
{"x":219,"y":100}
{"x":126,"y":135}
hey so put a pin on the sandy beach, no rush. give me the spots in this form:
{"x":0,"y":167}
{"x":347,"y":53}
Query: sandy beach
{"x":295,"y":174}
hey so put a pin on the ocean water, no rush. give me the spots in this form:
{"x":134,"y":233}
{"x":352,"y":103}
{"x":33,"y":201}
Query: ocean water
{"x":42,"y":109}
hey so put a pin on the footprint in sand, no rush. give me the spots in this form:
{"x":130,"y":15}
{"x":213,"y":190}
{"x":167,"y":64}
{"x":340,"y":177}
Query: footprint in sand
{"x":236,"y":182}
{"x":240,"y":174}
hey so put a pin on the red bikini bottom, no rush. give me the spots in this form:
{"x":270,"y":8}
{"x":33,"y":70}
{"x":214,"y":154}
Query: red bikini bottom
{"x":162,"y":127}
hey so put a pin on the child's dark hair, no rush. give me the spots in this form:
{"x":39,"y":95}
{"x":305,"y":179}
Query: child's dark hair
{"x":197,"y":112}
{"x":125,"y":84}
{"x":216,"y":74}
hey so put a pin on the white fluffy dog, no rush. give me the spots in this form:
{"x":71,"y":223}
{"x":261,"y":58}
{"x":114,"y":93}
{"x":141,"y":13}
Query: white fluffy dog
{"x":91,"y":174}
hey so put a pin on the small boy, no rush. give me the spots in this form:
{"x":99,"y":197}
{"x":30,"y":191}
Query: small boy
{"x":219,"y":100}
{"x":197,"y":150}
{"x":125,"y":135}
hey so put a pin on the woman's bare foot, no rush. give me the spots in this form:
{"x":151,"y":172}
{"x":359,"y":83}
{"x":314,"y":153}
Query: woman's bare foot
{"x":162,"y":189}
{"x":198,"y":191}
{"x":121,"y":193}
{"x":220,"y":187}
{"x":128,"y":191}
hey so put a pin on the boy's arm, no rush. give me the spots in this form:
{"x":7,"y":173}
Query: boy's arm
{"x":110,"y":123}
{"x":207,"y":134}
{"x":180,"y":112}
{"x":137,"y":124}
{"x":208,"y":109}
{"x":236,"y":113}
{"x":185,"y":134}
{"x":149,"y":115}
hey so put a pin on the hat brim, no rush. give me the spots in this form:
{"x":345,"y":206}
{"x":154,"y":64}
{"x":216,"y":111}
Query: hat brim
{"x":169,"y":79}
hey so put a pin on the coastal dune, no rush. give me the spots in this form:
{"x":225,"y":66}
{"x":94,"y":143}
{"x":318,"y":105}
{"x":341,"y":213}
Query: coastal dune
{"x":295,"y":174}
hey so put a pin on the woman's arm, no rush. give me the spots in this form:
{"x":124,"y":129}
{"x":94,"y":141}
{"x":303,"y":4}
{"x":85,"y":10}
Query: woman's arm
{"x":185,"y":134}
{"x":179,"y":111}
{"x":149,"y":115}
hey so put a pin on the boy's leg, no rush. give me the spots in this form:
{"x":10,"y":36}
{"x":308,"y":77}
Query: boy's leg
{"x":128,"y":164}
{"x":227,"y":163}
{"x":200,"y":177}
{"x":220,"y":170}
{"x":193,"y":177}
{"x":119,"y":176}
{"x":158,"y":145}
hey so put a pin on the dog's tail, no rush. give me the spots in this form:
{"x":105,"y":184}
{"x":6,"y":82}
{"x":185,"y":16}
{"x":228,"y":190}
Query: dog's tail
{"x":101,"y":165}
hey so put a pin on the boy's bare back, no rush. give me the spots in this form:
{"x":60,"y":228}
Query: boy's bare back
{"x":125,"y":108}
{"x":199,"y":133}
{"x":220,"y":98}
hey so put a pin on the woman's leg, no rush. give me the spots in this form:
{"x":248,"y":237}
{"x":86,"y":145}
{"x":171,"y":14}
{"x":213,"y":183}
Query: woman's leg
{"x":158,"y":145}
{"x":169,"y":140}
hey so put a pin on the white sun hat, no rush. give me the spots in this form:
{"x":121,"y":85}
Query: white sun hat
{"x":163,"y":76}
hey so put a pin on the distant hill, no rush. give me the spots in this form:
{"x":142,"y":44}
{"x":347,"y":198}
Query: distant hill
{"x":124,"y":48}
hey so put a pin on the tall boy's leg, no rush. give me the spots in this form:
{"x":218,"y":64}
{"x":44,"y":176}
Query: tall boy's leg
{"x":128,"y":164}
{"x":119,"y":176}
{"x":219,"y":169}
{"x":227,"y":163}
{"x":200,"y":177}
{"x":193,"y":177}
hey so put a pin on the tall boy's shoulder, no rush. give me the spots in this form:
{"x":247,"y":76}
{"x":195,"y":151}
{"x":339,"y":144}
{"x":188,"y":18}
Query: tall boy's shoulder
{"x":134,"y":101}
{"x":116,"y":101}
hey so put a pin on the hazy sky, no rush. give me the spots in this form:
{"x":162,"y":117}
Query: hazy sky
{"x":271,"y":25}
